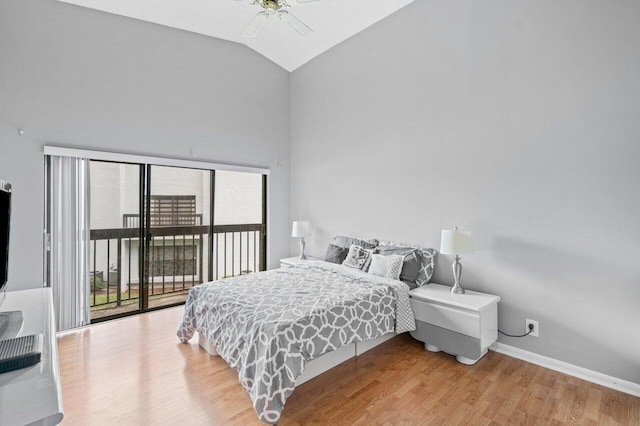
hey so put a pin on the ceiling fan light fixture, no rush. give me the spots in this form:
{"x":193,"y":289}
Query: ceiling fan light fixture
{"x":272,"y":6}
{"x":278,"y":8}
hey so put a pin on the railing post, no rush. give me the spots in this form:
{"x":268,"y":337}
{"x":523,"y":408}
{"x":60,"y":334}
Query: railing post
{"x":263,"y":246}
{"x":201,"y":254}
{"x":263,"y":234}
{"x":94,"y":271}
{"x":119,"y":274}
{"x":107,"y":268}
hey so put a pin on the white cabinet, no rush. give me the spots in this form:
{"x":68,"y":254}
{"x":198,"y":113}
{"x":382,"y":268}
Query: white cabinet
{"x":464,"y":325}
{"x":32,"y":395}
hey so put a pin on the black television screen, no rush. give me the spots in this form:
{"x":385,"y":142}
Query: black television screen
{"x":5,"y":219}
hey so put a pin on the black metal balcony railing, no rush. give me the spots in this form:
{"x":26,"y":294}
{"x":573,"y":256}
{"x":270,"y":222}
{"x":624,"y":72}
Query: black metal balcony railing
{"x":169,"y":219}
{"x":176,"y":259}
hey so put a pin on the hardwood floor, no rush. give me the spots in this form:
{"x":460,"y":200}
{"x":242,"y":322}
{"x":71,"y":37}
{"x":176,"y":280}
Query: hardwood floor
{"x":134,"y":371}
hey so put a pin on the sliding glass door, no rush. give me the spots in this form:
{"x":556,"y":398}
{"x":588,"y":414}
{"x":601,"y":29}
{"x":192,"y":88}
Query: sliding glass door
{"x":151,"y":233}
{"x":179,"y":218}
{"x":115,"y":239}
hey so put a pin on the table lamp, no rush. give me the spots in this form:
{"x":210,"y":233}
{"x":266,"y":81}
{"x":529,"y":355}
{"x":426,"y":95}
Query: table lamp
{"x":455,"y":241}
{"x":300,"y":230}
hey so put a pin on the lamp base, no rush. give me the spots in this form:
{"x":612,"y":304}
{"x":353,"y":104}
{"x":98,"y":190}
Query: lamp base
{"x":302,"y":256}
{"x":457,"y":271}
{"x":456,"y":289}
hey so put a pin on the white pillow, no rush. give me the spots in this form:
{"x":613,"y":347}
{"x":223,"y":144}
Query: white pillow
{"x":386,"y":266}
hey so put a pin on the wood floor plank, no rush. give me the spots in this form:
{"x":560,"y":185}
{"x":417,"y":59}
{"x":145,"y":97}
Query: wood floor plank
{"x":133,"y":371}
{"x":593,"y":403}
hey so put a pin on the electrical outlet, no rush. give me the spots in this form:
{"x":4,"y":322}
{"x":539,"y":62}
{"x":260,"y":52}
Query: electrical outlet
{"x":534,"y":323}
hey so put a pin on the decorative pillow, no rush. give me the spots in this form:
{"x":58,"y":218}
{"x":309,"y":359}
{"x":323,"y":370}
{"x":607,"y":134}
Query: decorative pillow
{"x":427,"y":261}
{"x":386,"y":266}
{"x":411,"y":263}
{"x":347,"y":242}
{"x":336,"y":254}
{"x":358,"y":257}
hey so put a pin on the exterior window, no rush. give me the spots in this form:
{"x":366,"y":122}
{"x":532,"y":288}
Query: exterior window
{"x":202,"y":225}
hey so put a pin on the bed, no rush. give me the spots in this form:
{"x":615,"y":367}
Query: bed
{"x":281,"y":327}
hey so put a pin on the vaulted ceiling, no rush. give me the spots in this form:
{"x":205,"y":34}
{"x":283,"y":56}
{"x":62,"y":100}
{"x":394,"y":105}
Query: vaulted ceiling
{"x":331,"y":22}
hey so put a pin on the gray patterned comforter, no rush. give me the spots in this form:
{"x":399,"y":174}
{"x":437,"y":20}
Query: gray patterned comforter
{"x":270,"y":324}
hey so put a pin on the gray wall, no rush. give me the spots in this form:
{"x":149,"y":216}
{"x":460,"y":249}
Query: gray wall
{"x":80,"y":78}
{"x":516,"y":120}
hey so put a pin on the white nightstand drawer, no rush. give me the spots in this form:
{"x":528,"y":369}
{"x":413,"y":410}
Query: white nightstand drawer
{"x":456,"y":320}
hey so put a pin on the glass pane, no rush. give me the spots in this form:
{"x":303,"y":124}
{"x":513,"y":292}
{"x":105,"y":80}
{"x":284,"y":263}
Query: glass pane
{"x":178,"y":253}
{"x":238,"y":198}
{"x":179,"y":219}
{"x":114,"y":215}
{"x":238,"y":220}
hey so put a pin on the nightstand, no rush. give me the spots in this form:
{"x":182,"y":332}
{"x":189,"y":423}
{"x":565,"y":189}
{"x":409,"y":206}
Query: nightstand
{"x":464,"y":325}
{"x":293,"y":261}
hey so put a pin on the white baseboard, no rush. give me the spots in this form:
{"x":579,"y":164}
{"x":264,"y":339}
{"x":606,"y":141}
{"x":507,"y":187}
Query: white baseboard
{"x":570,"y":369}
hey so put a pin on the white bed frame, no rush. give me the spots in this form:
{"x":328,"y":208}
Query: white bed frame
{"x":321,"y":364}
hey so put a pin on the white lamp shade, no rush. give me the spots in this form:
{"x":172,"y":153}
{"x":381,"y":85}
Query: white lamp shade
{"x":456,"y":241}
{"x":301,"y":228}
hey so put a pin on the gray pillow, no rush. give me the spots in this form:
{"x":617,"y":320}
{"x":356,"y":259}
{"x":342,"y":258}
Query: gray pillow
{"x":346,"y":242}
{"x":336,"y":254}
{"x":410,"y":265}
{"x":427,"y":261}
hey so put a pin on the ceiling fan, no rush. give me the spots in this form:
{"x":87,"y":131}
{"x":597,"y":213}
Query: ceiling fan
{"x":279,"y":9}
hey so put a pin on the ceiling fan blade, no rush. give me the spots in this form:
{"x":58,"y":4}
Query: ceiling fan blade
{"x":299,"y":26}
{"x":255,"y":24}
